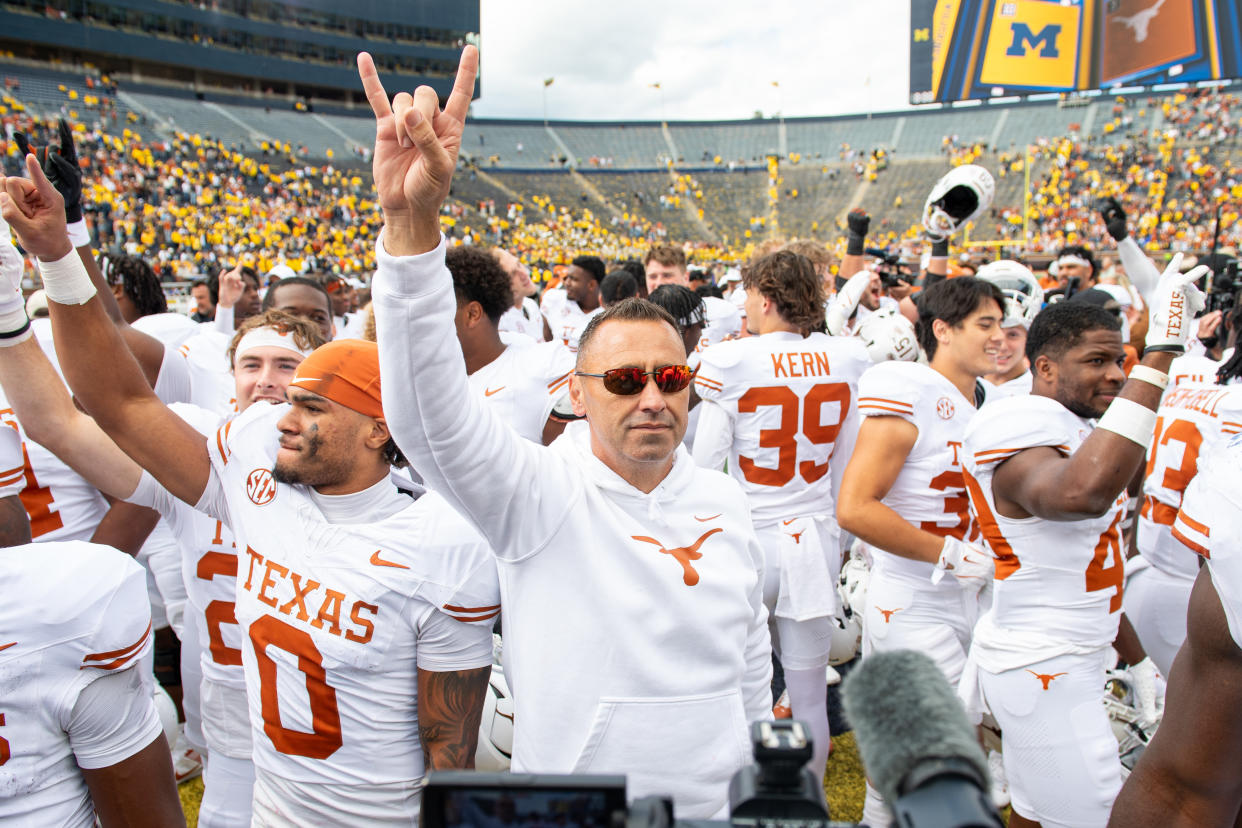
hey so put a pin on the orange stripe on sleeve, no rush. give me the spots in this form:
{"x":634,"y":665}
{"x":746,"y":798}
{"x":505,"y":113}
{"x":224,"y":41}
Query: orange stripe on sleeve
{"x":899,"y":403}
{"x":117,"y":657}
{"x":1191,"y":545}
{"x":1201,"y":528}
{"x":562,"y":378}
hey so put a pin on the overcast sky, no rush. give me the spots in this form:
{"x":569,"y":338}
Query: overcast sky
{"x":713,"y":59}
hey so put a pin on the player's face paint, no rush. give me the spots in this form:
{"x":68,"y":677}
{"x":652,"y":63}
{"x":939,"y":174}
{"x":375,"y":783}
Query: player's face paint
{"x":1012,"y":352}
{"x":662,"y":274}
{"x":321,"y":442}
{"x":262,"y":374}
{"x":1088,"y":376}
{"x":631,"y":432}
{"x":306,"y":302}
{"x":974,"y":342}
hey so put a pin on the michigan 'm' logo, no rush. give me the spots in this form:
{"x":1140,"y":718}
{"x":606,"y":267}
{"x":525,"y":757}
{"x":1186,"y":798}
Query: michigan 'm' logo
{"x":1032,"y":43}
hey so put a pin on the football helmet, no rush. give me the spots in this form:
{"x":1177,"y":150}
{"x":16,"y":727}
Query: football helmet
{"x":957,"y":199}
{"x":889,"y":336}
{"x":852,"y":587}
{"x":495,"y":748}
{"x":1024,"y":297}
{"x":846,"y":641}
{"x":1132,"y":729}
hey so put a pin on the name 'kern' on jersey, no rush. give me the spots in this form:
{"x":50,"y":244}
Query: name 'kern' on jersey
{"x":1210,"y":524}
{"x":1061,"y":578}
{"x":337,"y":619}
{"x":73,"y":613}
{"x":788,"y":398}
{"x":1194,"y":420}
{"x":929,"y":491}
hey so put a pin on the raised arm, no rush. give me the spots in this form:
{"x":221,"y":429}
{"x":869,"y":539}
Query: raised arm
{"x":1044,"y":483}
{"x":452,"y":440}
{"x":97,"y":364}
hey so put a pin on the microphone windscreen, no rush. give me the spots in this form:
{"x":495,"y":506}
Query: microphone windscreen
{"x":903,"y":712}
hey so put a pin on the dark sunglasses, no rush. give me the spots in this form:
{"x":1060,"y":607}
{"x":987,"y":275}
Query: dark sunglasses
{"x":628,"y":381}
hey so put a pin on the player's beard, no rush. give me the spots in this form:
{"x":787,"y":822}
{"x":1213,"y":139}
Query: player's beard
{"x":311,"y":468}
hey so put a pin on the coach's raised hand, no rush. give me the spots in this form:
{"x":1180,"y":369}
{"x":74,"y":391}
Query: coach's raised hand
{"x":416,"y":146}
{"x":36,"y":212}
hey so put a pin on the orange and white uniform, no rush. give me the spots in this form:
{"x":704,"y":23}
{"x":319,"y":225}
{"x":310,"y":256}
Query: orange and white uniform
{"x":12,"y":456}
{"x":1194,"y":421}
{"x":524,"y":383}
{"x":75,"y":664}
{"x":341,"y":600}
{"x":565,"y":319}
{"x":777,"y":407}
{"x":1208,"y":524}
{"x":526,"y":320}
{"x":1042,"y":649}
{"x":904,"y":608}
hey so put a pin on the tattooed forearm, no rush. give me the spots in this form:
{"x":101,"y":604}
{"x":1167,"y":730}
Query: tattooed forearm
{"x":449,"y":707}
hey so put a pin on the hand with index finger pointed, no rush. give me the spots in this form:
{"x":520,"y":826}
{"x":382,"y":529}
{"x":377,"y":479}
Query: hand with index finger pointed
{"x":36,"y":212}
{"x":416,"y":147}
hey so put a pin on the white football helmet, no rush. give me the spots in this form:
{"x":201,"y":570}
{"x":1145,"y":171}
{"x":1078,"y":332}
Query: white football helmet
{"x":846,"y":639}
{"x":889,"y":336}
{"x":1132,"y":730}
{"x":167,"y":711}
{"x":852,"y":587}
{"x":957,"y":199}
{"x":1024,"y":297}
{"x":495,"y":748}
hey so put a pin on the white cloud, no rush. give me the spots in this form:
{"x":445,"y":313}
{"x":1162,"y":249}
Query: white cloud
{"x":713,"y":60}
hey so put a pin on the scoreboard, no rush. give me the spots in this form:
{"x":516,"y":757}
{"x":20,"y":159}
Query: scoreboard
{"x":973,"y":49}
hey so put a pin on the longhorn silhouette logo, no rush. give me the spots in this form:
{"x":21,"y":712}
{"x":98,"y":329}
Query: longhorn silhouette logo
{"x":683,"y":554}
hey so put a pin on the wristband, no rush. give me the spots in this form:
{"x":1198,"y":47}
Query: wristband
{"x":66,"y":281}
{"x":855,"y":245}
{"x":940,"y":249}
{"x":79,"y":233}
{"x":1168,"y":348}
{"x":1129,"y":419}
{"x":1152,"y":376}
{"x":14,"y":327}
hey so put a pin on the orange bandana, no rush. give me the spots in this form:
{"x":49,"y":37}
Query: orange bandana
{"x":345,"y":371}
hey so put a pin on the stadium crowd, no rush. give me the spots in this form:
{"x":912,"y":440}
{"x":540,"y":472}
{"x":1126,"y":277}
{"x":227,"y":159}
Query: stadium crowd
{"x":581,"y":514}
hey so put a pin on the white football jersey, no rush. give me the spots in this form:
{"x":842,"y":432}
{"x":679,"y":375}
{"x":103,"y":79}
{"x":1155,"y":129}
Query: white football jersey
{"x":336,"y":618}
{"x":787,"y":399}
{"x":565,"y":319}
{"x":60,"y":503}
{"x":1060,"y":580}
{"x":73,"y":613}
{"x":1015,"y":387}
{"x":524,"y":382}
{"x":1210,"y":524}
{"x":526,"y":320}
{"x":722,"y":321}
{"x":12,"y":458}
{"x":929,"y":492}
{"x":1196,"y":368}
{"x":1194,"y":421}
{"x":211,"y":377}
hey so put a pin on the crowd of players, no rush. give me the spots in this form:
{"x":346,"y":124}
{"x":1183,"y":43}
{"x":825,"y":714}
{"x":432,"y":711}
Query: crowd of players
{"x":654,"y":495}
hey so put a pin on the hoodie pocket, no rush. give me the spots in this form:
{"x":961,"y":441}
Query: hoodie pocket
{"x":686,"y":746}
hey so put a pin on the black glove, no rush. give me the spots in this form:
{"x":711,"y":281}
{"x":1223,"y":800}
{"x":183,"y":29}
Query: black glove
{"x":1114,"y":216}
{"x":858,"y":222}
{"x":60,"y":165}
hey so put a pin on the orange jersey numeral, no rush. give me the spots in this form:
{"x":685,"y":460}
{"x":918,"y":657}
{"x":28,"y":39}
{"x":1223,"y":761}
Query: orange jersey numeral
{"x":784,"y":438}
{"x":325,"y":738}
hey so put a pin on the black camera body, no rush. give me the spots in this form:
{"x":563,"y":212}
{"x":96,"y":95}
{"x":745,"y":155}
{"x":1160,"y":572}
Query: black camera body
{"x":1223,"y":290}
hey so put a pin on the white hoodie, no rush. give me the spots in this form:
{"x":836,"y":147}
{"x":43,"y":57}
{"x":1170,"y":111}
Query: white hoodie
{"x":622,"y":657}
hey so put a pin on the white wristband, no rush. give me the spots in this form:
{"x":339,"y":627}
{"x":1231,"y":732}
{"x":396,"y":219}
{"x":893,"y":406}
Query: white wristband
{"x":1131,"y":420}
{"x":79,"y":234}
{"x":1147,"y":374}
{"x":66,"y":280}
{"x":14,"y":327}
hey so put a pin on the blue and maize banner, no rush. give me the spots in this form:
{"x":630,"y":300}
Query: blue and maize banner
{"x":970,"y":49}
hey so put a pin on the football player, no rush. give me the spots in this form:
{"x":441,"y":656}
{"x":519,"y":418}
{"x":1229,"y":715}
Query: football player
{"x":523,"y":317}
{"x":522,"y":380}
{"x":1023,"y":300}
{"x":777,"y":407}
{"x":567,"y":309}
{"x":367,"y":618}
{"x":1049,"y":492}
{"x":903,"y":492}
{"x":1188,"y":775}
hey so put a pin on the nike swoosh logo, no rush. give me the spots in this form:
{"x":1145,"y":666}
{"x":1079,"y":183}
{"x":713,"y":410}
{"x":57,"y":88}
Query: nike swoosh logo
{"x":378,"y":561}
{"x":487,"y":392}
{"x":706,"y":519}
{"x":6,"y":646}
{"x":787,"y":522}
{"x":969,"y":559}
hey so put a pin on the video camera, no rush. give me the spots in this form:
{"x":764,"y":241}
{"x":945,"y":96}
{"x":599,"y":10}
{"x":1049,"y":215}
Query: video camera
{"x":1223,"y":286}
{"x":891,"y":269}
{"x":776,"y":791}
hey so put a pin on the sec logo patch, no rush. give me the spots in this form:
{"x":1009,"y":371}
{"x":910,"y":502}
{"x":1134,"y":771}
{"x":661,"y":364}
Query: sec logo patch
{"x":260,"y":487}
{"x":944,"y":408}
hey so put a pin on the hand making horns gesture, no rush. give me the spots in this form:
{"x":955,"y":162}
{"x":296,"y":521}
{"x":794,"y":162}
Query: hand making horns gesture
{"x":416,"y":146}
